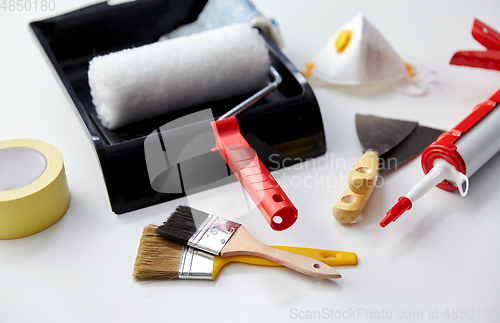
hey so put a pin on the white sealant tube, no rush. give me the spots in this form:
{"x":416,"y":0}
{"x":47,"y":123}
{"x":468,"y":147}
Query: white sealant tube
{"x":456,"y":155}
{"x":481,"y":142}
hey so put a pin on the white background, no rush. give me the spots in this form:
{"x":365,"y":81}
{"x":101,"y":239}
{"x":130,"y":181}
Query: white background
{"x":440,"y":256}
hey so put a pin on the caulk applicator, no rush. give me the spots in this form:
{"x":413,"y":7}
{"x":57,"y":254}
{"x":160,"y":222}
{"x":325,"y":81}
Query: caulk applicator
{"x":456,"y":155}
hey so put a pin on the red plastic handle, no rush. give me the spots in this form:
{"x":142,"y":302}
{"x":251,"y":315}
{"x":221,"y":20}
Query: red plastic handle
{"x":265,"y":192}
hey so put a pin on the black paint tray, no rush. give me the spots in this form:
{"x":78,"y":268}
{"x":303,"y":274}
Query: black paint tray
{"x":284,"y":128}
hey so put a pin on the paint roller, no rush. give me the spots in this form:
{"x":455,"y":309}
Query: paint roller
{"x":155,"y":79}
{"x":152,"y":80}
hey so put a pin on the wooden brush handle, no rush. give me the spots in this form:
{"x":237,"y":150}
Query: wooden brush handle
{"x":243,"y":243}
{"x":260,"y":185}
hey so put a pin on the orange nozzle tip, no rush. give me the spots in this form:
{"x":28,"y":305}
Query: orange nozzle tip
{"x":404,"y":204}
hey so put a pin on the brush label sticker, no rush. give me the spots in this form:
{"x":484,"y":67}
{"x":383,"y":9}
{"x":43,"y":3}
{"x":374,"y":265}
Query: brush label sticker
{"x":214,"y":234}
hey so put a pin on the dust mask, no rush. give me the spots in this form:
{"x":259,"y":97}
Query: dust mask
{"x":359,"y":54}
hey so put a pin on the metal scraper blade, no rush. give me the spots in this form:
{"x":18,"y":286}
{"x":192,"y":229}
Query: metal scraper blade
{"x":409,"y":148}
{"x":381,"y":134}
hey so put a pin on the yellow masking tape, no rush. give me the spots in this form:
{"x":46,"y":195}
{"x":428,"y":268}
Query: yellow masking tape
{"x":35,"y":206}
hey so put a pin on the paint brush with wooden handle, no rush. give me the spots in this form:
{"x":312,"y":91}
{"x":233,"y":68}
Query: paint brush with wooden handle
{"x":225,"y":238}
{"x":159,"y":258}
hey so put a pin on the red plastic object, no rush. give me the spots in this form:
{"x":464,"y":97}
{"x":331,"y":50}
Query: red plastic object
{"x":266,"y":193}
{"x":489,"y":59}
{"x":481,"y":59}
{"x":403,"y":205}
{"x":444,"y":147}
{"x":485,"y":35}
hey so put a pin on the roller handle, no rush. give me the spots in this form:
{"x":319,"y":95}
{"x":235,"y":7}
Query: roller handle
{"x":263,"y":189}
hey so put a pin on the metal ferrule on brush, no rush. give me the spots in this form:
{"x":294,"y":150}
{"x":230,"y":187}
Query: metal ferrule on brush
{"x":196,"y":264}
{"x":213,"y":234}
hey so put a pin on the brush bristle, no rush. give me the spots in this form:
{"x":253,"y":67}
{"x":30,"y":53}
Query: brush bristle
{"x":182,"y":224}
{"x":157,"y":258}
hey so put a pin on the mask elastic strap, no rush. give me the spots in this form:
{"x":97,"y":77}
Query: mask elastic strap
{"x":415,"y":86}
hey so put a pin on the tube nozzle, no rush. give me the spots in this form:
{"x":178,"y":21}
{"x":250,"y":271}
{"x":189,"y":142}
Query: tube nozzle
{"x":404,"y":204}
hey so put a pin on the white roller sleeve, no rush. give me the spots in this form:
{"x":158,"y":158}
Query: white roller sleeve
{"x":148,"y":81}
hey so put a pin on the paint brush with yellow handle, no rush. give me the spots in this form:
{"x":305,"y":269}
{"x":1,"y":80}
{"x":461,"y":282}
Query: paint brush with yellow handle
{"x":159,"y":258}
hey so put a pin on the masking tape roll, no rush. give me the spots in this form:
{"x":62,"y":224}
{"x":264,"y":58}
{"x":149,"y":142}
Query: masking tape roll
{"x":33,"y":187}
